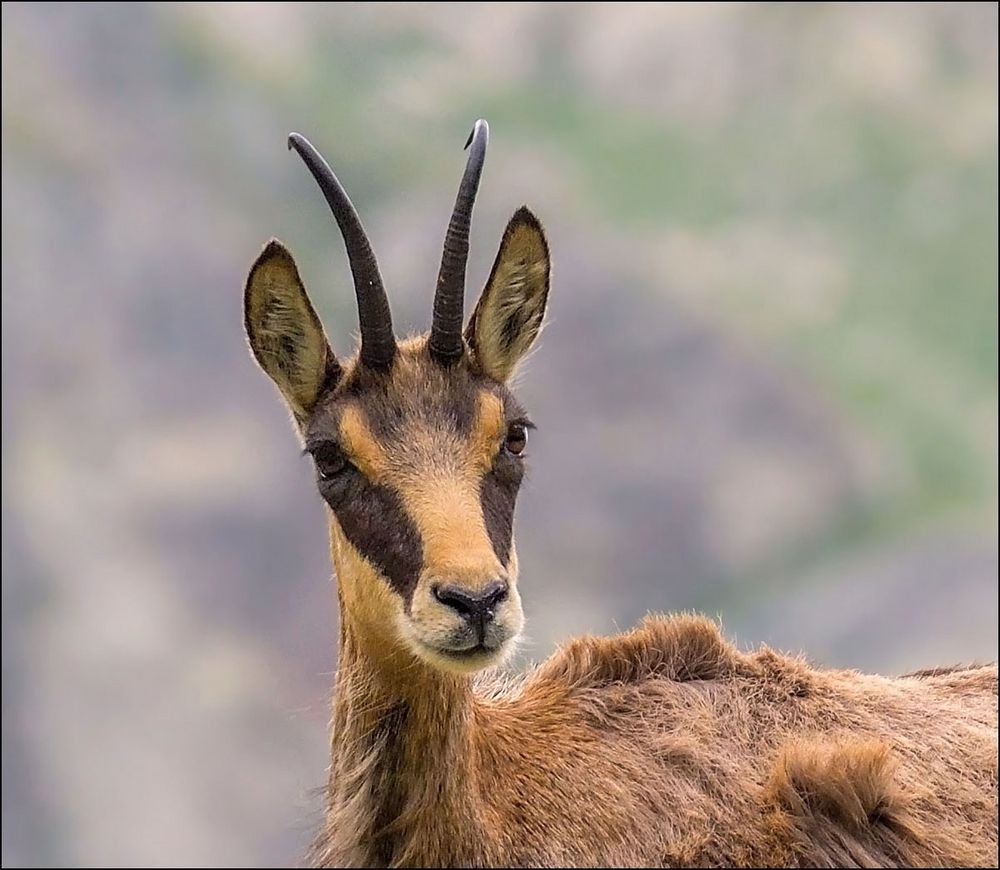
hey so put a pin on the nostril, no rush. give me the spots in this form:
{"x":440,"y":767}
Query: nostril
{"x":456,"y":599}
{"x":477,"y":605}
{"x":495,"y":594}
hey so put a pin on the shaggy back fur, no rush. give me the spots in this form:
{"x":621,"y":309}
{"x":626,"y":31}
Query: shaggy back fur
{"x":664,"y":746}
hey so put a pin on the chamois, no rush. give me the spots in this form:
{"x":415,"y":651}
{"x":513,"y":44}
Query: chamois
{"x":663,"y":746}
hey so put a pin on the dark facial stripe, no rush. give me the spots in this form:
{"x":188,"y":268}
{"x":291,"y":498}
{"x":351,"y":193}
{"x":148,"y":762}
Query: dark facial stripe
{"x":497,"y":494}
{"x":374,"y":521}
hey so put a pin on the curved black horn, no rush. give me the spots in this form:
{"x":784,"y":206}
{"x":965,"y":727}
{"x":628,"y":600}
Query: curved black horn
{"x":378,"y":343}
{"x":446,"y":331}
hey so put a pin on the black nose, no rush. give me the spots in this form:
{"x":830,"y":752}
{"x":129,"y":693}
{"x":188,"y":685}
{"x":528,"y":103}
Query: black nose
{"x":476,"y":606}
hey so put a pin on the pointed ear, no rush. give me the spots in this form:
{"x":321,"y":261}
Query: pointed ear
{"x":285,"y":334}
{"x":508,"y":316}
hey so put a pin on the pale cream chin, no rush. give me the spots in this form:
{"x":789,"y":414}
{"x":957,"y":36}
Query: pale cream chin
{"x":428,"y":645}
{"x":466,"y":664}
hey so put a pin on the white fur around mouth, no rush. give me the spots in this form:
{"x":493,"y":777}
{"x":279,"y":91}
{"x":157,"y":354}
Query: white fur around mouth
{"x":475,"y":651}
{"x":480,"y":650}
{"x":465,"y":660}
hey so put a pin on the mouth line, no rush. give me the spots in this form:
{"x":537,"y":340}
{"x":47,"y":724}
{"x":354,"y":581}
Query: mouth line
{"x":480,"y":649}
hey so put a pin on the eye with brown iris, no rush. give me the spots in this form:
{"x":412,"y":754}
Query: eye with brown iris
{"x":517,"y":438}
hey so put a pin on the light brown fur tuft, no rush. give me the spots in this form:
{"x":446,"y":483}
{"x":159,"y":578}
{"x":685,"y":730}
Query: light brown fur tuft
{"x":682,"y":648}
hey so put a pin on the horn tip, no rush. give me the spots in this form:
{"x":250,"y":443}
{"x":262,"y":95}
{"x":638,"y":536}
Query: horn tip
{"x":479,"y":125}
{"x":295,"y":141}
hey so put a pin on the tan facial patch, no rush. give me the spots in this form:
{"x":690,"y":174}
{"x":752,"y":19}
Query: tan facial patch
{"x":361,"y":446}
{"x":441,"y":492}
{"x":488,"y":429}
{"x":448,"y":513}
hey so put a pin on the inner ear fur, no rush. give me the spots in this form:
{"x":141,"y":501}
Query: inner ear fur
{"x":285,"y":334}
{"x":508,"y":315}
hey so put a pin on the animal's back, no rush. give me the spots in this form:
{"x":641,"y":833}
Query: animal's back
{"x":666,"y":746}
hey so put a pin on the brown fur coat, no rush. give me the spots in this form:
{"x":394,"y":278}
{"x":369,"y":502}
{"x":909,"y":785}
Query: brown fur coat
{"x":664,"y":746}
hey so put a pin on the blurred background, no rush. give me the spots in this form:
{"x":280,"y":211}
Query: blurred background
{"x":767,"y":390}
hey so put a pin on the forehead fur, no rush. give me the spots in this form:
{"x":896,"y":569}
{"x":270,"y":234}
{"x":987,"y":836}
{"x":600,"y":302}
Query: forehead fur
{"x":417,"y":400}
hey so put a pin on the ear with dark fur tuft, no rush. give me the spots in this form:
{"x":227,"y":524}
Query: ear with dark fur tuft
{"x":285,"y":334}
{"x":508,"y":316}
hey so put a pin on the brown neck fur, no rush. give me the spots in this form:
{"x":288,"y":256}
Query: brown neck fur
{"x":401,"y":745}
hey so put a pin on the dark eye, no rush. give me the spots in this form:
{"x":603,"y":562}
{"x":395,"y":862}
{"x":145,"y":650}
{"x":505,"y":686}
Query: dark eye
{"x":330,"y":461}
{"x":517,"y":438}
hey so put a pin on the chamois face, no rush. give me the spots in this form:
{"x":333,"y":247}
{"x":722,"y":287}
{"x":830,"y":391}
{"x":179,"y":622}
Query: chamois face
{"x":420,"y":467}
{"x":418,"y":458}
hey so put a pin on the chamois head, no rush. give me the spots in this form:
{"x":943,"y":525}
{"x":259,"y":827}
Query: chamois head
{"x":418,"y":445}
